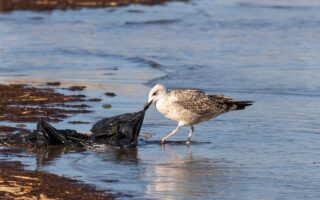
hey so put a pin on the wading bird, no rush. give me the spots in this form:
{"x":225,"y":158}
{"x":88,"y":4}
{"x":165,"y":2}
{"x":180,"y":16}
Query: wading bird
{"x":190,"y":106}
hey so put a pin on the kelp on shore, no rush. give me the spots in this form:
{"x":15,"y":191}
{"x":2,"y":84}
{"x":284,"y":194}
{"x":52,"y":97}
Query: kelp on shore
{"x":23,"y":103}
{"x":10,"y":5}
{"x":17,"y":183}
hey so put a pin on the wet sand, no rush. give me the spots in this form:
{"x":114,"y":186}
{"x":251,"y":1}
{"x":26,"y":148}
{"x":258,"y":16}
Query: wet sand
{"x":17,"y":183}
{"x":9,"y":5}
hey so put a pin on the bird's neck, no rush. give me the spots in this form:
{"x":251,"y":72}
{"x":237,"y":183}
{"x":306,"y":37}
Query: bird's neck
{"x":159,"y":98}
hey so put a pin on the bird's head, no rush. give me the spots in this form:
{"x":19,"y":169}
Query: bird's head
{"x":157,"y":92}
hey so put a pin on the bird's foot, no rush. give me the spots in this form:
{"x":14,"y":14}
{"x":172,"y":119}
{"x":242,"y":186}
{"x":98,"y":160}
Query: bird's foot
{"x":162,"y":141}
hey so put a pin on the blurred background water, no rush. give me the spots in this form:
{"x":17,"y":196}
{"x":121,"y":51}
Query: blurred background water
{"x":266,"y":51}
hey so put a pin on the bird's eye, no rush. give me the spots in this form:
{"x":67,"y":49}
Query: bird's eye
{"x":155,"y":93}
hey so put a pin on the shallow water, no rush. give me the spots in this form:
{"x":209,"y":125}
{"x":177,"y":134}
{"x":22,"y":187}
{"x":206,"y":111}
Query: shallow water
{"x":251,"y":50}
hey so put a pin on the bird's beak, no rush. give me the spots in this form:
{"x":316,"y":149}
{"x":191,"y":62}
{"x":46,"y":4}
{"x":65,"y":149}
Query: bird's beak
{"x":147,"y":105}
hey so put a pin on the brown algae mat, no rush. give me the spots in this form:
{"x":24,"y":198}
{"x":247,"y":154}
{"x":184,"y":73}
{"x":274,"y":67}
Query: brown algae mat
{"x":17,"y":183}
{"x":24,"y":103}
{"x":9,"y":5}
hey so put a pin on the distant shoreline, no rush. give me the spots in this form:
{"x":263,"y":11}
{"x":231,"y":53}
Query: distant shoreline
{"x":40,"y":5}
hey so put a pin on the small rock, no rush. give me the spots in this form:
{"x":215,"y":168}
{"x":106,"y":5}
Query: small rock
{"x":80,"y":96}
{"x":106,"y":106}
{"x":95,"y":99}
{"x":76,"y":88}
{"x":78,"y":122}
{"x":110,"y":94}
{"x":110,"y":181}
{"x":53,"y":83}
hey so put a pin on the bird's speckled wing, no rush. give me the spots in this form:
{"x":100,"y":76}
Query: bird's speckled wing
{"x":199,"y":102}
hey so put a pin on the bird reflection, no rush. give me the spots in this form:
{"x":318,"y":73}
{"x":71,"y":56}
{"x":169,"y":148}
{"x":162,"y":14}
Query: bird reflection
{"x":181,"y":175}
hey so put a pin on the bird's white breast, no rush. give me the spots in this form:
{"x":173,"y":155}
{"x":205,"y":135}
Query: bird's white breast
{"x":171,"y":110}
{"x":162,"y":106}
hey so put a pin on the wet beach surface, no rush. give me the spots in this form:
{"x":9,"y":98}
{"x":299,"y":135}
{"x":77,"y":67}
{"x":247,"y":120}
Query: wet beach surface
{"x":17,"y":183}
{"x":250,"y":50}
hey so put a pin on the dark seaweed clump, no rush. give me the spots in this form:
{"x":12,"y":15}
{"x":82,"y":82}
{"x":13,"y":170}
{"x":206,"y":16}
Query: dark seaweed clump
{"x":23,"y":103}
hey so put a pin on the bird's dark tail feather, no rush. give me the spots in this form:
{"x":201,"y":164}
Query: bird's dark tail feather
{"x":242,"y":104}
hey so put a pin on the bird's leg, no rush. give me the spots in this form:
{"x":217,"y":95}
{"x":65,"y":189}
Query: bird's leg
{"x":170,"y":134}
{"x":190,"y":135}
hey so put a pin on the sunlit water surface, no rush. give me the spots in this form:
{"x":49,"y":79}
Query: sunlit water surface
{"x":251,"y":50}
